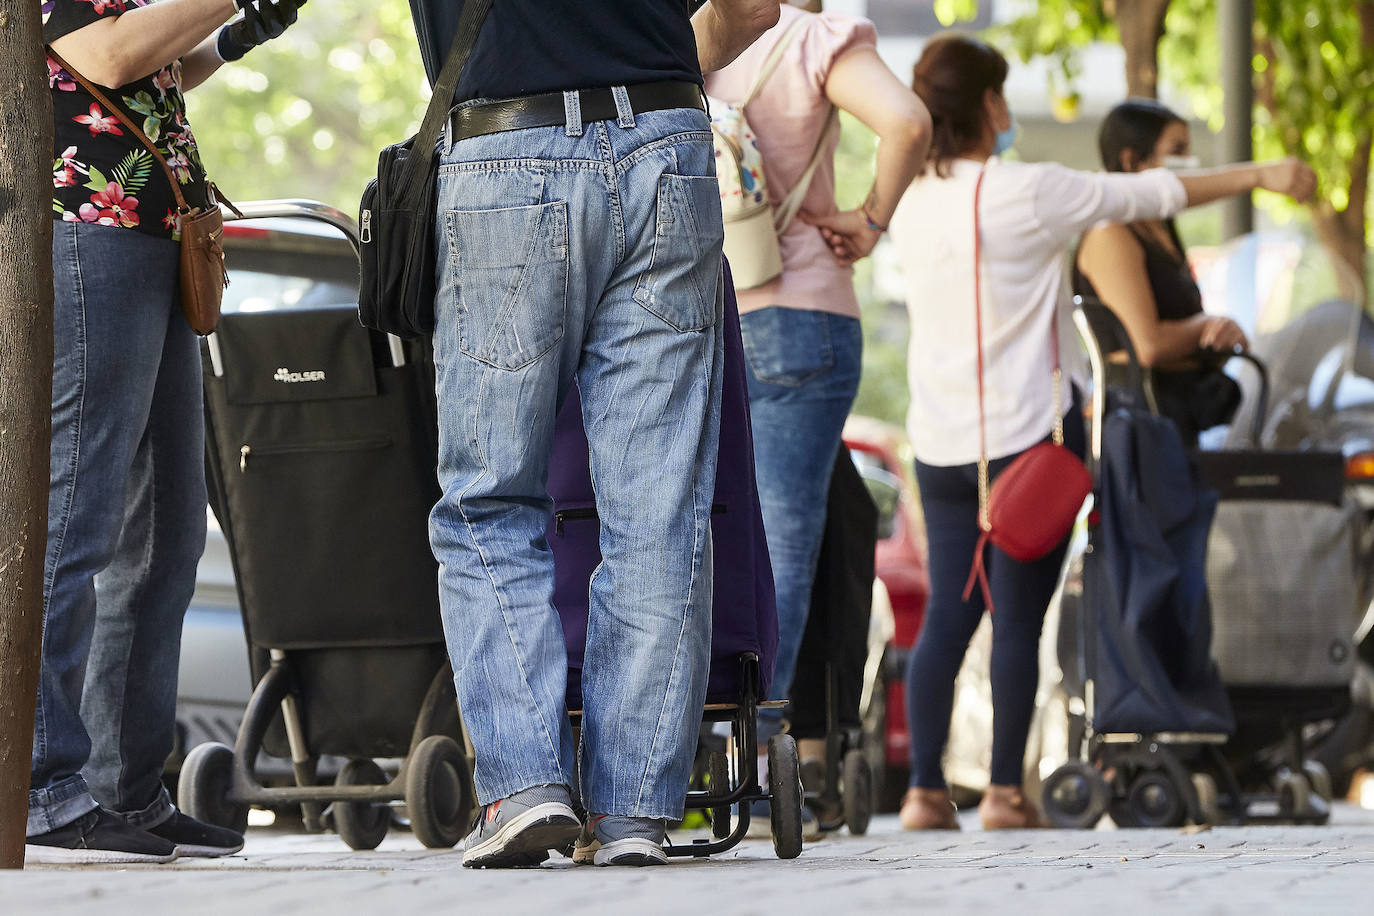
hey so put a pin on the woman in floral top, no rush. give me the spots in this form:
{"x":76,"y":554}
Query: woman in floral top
{"x":126,"y":504}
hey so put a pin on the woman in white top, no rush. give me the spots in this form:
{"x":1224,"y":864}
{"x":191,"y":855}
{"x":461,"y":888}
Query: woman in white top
{"x":1029,"y":216}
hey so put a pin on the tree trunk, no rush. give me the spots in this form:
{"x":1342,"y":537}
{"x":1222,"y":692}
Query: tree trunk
{"x":1342,"y":233}
{"x":1141,"y":23}
{"x":26,"y":300}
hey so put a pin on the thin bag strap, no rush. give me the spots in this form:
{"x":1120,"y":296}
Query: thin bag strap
{"x":123,"y":119}
{"x":770,"y":63}
{"x":1058,"y":376}
{"x":436,"y":115}
{"x":978,"y":573}
{"x":790,"y":205}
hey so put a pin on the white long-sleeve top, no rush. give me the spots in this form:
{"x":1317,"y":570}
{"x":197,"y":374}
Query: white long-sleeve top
{"x":1031,"y":214}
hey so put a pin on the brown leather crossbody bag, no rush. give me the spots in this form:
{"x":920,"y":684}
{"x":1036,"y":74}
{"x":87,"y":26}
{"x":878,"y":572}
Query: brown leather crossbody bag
{"x":203,"y":274}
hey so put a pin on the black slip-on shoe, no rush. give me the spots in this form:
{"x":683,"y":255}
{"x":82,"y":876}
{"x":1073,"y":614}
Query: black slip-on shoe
{"x":196,"y":838}
{"x":98,"y":838}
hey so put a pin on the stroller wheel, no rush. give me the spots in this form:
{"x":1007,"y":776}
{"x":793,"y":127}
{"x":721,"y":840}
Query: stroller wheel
{"x":785,"y":791}
{"x":1208,"y":799}
{"x":1295,"y":794}
{"x":858,"y":791}
{"x":1074,"y":796}
{"x":1154,"y":801}
{"x":718,"y":770}
{"x":437,"y":795}
{"x":203,"y":790}
{"x":1319,"y":777}
{"x":362,"y":825}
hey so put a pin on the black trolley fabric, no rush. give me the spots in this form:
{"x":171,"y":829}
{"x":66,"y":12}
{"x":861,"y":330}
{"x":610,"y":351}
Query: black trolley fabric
{"x":321,"y":444}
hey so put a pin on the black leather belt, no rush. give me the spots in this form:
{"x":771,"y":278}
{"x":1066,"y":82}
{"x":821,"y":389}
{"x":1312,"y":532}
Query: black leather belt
{"x":546,"y":110}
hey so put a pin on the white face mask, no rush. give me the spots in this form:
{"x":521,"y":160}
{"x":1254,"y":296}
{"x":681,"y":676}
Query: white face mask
{"x":1180,"y":163}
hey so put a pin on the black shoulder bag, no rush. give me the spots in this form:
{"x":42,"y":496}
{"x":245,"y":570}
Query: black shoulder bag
{"x":396,"y":217}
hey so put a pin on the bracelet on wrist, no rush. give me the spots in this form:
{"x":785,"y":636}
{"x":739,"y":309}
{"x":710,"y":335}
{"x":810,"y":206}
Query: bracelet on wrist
{"x":873,"y":224}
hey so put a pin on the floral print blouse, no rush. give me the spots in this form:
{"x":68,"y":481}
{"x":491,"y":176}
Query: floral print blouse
{"x":101,"y":173}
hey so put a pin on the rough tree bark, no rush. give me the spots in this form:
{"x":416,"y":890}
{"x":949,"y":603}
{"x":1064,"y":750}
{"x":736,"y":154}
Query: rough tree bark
{"x":25,"y":397}
{"x":1141,"y":23}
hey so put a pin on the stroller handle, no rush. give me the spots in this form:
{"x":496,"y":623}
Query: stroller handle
{"x":1103,"y":333}
{"x":300,"y":209}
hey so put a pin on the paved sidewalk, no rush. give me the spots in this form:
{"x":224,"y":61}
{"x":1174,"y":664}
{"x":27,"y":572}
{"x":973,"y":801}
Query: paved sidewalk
{"x":1226,"y":870}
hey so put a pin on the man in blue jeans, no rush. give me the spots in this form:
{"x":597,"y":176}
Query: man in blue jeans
{"x":579,"y":237}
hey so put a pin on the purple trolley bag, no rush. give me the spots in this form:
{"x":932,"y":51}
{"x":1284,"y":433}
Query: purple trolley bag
{"x":744,"y":617}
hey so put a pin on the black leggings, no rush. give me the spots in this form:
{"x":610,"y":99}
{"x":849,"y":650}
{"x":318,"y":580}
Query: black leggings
{"x":1021,"y":594}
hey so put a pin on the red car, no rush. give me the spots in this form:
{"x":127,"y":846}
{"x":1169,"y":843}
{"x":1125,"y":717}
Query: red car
{"x":884,"y":459}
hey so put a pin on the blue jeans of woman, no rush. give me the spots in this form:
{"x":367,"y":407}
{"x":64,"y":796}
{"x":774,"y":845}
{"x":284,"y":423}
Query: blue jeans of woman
{"x":126,"y":526}
{"x":587,"y":251}
{"x":1021,"y":594}
{"x":804,"y":369}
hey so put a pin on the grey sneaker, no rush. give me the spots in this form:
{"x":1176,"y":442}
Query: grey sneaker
{"x":98,"y":838}
{"x":519,"y":831}
{"x":620,"y":841}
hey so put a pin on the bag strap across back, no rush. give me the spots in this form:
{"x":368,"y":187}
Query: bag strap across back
{"x":789,"y":206}
{"x":422,"y":150}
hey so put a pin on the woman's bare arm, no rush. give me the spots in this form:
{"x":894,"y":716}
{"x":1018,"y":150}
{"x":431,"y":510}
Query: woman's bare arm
{"x":861,"y":84}
{"x":1114,"y":261}
{"x":118,"y":50}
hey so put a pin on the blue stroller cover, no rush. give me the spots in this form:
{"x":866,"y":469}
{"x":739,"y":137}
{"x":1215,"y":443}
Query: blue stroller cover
{"x":1144,"y":585}
{"x":744,"y":616}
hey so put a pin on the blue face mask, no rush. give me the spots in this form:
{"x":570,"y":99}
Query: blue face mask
{"x":1006,"y":138}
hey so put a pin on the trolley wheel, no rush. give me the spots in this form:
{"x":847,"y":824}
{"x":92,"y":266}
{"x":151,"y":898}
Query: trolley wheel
{"x":1295,"y":794}
{"x":437,"y":797}
{"x":1075,"y":796}
{"x":203,"y":788}
{"x":858,"y":791}
{"x":362,"y":825}
{"x":1208,"y":798}
{"x":785,"y":796}
{"x":718,"y":771}
{"x":1155,"y":801}
{"x":1319,"y":777}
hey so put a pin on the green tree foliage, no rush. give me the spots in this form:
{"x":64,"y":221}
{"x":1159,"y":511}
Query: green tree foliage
{"x":1314,"y":66}
{"x":306,"y":114}
{"x":1314,"y":71}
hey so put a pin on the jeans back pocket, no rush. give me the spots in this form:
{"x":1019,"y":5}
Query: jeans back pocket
{"x":680,"y":284}
{"x":512,"y":269}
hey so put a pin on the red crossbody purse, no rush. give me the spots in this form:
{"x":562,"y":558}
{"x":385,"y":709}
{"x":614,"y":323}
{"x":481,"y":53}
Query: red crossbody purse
{"x":1032,"y":505}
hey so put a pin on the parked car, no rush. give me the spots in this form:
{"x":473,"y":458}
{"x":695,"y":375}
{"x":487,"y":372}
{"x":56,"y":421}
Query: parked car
{"x":884,"y":459}
{"x":275,"y":262}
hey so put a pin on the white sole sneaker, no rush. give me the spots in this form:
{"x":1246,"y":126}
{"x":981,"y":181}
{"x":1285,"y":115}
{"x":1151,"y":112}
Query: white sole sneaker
{"x":526,"y":839}
{"x":629,"y":851}
{"x":61,"y":855}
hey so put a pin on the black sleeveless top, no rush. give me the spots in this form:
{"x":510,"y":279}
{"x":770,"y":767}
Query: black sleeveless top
{"x":1196,"y":398}
{"x":1171,"y":280}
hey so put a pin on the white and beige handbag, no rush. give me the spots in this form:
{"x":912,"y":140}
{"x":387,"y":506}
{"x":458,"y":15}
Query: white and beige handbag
{"x":752,"y":226}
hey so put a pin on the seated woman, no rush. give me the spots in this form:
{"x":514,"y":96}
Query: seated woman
{"x":1140,"y":270}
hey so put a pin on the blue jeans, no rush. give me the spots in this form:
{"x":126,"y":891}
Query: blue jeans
{"x":126,"y":526}
{"x":587,"y":251}
{"x":804,"y":369}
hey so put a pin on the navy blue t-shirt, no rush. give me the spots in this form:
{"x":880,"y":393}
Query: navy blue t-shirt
{"x":532,"y":46}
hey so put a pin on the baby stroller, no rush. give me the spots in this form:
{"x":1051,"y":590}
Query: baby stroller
{"x":320,"y":441}
{"x":744,"y":634}
{"x":828,"y":686}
